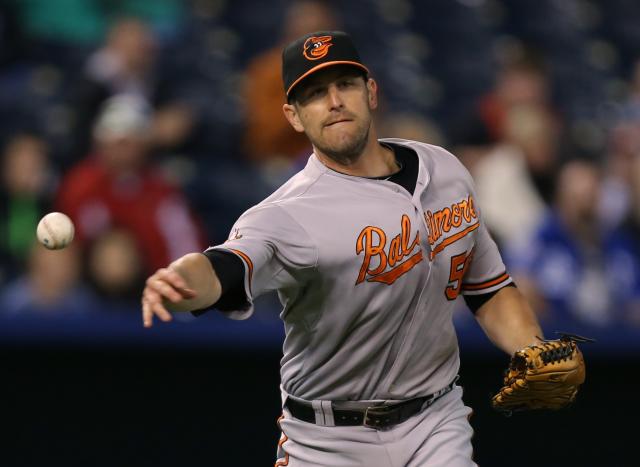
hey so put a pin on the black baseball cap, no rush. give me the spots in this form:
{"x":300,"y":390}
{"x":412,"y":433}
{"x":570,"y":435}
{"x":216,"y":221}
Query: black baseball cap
{"x":315,"y":51}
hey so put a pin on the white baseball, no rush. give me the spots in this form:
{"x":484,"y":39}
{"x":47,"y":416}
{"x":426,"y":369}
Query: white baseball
{"x":55,"y":231}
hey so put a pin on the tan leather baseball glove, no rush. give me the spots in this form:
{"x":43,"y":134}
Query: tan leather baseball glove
{"x":543,"y":376}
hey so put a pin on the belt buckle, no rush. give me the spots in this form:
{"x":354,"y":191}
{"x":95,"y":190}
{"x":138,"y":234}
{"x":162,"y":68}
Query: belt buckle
{"x":378,"y":412}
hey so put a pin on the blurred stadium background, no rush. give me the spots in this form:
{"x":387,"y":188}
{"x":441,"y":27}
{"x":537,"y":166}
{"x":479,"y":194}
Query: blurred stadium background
{"x":156,"y":123}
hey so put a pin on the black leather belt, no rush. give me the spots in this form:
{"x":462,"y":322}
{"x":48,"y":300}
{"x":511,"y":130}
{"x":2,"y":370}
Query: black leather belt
{"x":377,"y":416}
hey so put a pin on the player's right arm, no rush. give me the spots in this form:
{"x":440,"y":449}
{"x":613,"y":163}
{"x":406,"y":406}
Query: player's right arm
{"x":189,"y":283}
{"x":229,"y":276}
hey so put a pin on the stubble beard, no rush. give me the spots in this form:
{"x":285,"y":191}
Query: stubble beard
{"x":349,"y":152}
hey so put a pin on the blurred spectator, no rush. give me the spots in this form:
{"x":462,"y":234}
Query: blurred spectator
{"x":25,"y":191}
{"x":521,"y":81}
{"x":622,"y":151}
{"x":512,"y":145}
{"x":117,"y":187}
{"x":127,"y":64}
{"x":624,"y":250}
{"x":571,"y":269}
{"x":268,"y":137}
{"x":410,"y":125}
{"x":623,"y":147}
{"x":515,"y":177}
{"x":51,"y":285}
{"x":115,"y":268}
{"x":632,"y":107}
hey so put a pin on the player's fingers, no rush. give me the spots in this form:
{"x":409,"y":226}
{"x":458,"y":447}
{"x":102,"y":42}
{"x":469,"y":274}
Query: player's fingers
{"x":147,"y":314}
{"x":160,"y":311}
{"x":166,"y":290}
{"x":187,"y":293}
{"x":154,"y":303}
{"x":151,"y":297}
{"x":178,"y":282}
{"x":173,"y":279}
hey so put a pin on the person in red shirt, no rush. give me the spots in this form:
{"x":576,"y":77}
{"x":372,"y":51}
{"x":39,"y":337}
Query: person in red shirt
{"x":116,"y":187}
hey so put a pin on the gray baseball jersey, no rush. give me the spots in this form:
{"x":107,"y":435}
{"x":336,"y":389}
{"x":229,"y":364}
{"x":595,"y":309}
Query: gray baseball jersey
{"x":368,"y":275}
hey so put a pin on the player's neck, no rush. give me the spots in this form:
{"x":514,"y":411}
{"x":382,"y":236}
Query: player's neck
{"x":374,"y":161}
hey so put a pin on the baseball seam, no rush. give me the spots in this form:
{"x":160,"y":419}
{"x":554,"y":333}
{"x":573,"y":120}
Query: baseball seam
{"x":50,"y":231}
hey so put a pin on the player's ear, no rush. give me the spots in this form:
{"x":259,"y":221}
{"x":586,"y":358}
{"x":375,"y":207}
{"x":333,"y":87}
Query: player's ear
{"x":372,"y":93}
{"x":291,"y":113}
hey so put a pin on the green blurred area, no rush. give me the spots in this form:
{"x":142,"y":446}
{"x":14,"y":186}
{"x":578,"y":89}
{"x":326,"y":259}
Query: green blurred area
{"x":85,"y":22}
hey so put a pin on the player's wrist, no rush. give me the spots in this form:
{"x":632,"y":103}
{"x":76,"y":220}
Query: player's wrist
{"x":197,"y":272}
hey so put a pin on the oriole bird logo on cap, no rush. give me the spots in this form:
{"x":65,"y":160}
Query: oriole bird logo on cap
{"x":316,"y":47}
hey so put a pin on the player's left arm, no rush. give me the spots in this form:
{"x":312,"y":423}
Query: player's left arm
{"x":508,"y":320}
{"x":503,"y":312}
{"x":500,"y":308}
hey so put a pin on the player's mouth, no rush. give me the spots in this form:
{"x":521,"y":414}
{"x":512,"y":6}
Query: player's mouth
{"x":341,"y":120}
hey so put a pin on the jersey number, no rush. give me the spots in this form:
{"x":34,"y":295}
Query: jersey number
{"x":459,"y":265}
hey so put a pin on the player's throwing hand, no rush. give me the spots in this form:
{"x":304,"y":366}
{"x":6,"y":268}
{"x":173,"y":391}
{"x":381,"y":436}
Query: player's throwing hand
{"x":164,"y":285}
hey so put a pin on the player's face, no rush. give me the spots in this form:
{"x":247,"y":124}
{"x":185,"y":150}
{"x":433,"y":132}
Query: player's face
{"x":333,"y":107}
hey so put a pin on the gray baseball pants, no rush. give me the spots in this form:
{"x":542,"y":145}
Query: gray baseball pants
{"x":439,"y":436}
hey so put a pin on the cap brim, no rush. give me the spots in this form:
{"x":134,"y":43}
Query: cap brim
{"x":325,"y":65}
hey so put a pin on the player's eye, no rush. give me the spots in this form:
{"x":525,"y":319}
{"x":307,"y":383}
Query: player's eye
{"x":314,"y":92}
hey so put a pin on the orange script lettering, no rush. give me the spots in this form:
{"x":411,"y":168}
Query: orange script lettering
{"x":442,"y":221}
{"x":372,"y":241}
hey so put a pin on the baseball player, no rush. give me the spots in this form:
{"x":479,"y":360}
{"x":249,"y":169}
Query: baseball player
{"x":368,"y":247}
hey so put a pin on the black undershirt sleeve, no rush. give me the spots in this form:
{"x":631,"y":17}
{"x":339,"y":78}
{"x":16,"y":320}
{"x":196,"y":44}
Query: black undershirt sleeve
{"x":230,"y":271}
{"x":474,"y":302}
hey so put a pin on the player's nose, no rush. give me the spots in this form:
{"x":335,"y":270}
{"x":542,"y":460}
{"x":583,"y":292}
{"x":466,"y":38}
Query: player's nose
{"x":334,"y":97}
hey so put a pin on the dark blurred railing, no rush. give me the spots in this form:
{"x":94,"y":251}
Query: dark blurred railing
{"x":263,"y":331}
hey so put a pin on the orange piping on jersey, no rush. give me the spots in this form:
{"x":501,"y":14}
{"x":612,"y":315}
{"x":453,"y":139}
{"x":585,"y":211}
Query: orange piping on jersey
{"x":390,"y":277}
{"x":485,"y":285}
{"x":246,"y":260}
{"x":454,"y":238}
{"x":283,"y":439}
